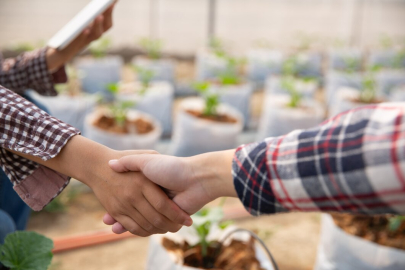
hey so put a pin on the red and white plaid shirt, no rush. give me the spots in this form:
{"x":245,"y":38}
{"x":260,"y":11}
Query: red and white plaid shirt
{"x":26,"y":129}
{"x":354,"y":162}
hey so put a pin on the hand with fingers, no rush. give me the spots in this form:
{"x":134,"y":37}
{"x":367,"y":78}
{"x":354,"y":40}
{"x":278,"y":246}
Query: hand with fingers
{"x":190,"y":182}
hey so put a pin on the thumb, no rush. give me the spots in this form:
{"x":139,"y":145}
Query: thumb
{"x":132,"y":163}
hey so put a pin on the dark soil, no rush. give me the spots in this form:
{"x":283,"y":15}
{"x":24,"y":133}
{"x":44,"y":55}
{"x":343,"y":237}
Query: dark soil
{"x":140,"y":125}
{"x":374,"y":101}
{"x":374,"y":228}
{"x":222,"y":118}
{"x":236,"y":256}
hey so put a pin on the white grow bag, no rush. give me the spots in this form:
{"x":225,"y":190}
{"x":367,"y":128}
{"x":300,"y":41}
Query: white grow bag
{"x":193,"y":135}
{"x":71,"y":110}
{"x":163,"y":69}
{"x":157,"y":101}
{"x":398,"y":94}
{"x":310,"y":64}
{"x":123,"y":141}
{"x":336,"y":80}
{"x":339,"y":250}
{"x":384,"y":58}
{"x":337,"y":58}
{"x":208,"y":65}
{"x":262,"y":63}
{"x":237,"y":96}
{"x":98,"y":73}
{"x":160,"y":259}
{"x":277,"y":119}
{"x":387,"y":80}
{"x":307,"y":89}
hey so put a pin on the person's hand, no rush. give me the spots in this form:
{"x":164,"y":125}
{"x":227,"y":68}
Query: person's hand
{"x":56,"y":59}
{"x":190,"y":182}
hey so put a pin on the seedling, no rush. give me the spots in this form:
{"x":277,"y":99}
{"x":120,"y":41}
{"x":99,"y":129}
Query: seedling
{"x":351,"y":64}
{"x":369,"y":85}
{"x":119,"y":109}
{"x":152,"y":47}
{"x":145,"y":76}
{"x":231,"y":74}
{"x":395,"y":223}
{"x":26,"y":251}
{"x":204,"y":220}
{"x":217,"y":47}
{"x":211,"y":98}
{"x":72,"y":87}
{"x":100,"y":47}
{"x":289,"y":84}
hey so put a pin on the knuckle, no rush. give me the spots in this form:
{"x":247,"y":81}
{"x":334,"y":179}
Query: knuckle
{"x":160,"y":205}
{"x":159,"y":222}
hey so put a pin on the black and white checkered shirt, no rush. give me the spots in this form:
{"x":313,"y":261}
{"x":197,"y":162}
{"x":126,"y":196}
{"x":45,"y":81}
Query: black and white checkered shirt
{"x":354,"y":162}
{"x":26,"y":129}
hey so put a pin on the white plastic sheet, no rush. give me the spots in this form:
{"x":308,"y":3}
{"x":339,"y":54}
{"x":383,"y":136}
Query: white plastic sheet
{"x":71,"y":110}
{"x":339,"y":250}
{"x":160,"y":259}
{"x":98,"y":73}
{"x":157,"y":101}
{"x":123,"y":141}
{"x":163,"y":69}
{"x":192,"y":135}
{"x":278,"y":119}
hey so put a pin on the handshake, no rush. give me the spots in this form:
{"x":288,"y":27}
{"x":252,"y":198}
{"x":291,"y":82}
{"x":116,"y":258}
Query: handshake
{"x":161,"y":192}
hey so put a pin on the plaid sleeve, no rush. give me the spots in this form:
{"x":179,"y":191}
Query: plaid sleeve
{"x":354,"y":162}
{"x":30,"y":70}
{"x":24,"y":128}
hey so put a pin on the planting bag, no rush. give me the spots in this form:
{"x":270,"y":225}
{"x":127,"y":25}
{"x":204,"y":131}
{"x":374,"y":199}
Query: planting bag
{"x":163,"y":69}
{"x":384,"y":58}
{"x":387,"y":80}
{"x":310,"y":64}
{"x":262,"y":63}
{"x":122,"y":141}
{"x":157,"y":102}
{"x":307,"y":89}
{"x":336,"y":80}
{"x":193,"y":136}
{"x":98,"y":73}
{"x":208,"y":66}
{"x":71,"y":110}
{"x":237,"y":96}
{"x":278,"y":119}
{"x":338,"y":59}
{"x":339,"y":250}
{"x":398,"y":94}
{"x":160,"y":258}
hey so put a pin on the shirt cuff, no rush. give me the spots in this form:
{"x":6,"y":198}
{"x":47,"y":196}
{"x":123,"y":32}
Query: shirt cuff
{"x":252,"y":180}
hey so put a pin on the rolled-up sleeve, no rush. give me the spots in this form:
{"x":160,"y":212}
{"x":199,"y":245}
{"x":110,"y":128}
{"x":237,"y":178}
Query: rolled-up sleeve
{"x":24,"y":128}
{"x":354,"y":162}
{"x":30,"y":71}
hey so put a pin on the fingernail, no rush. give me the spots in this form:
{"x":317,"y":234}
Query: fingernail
{"x":113,"y":161}
{"x":188,"y":222}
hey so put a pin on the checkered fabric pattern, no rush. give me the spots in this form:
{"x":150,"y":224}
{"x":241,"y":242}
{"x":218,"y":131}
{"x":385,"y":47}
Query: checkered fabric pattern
{"x":26,"y":129}
{"x":354,"y":162}
{"x":30,"y":70}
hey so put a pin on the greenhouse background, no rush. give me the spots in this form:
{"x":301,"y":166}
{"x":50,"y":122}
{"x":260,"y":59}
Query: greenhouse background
{"x":273,"y":66}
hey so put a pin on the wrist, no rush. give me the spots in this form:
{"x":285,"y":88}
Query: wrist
{"x":213,"y":171}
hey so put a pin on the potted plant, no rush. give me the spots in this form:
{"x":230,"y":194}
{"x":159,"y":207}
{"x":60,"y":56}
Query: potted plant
{"x":204,"y":125}
{"x":99,"y":70}
{"x":71,"y":105}
{"x":285,"y":112}
{"x":118,"y":127}
{"x":350,"y":98}
{"x":163,"y":69}
{"x":206,"y":245}
{"x":353,"y":242}
{"x":23,"y":250}
{"x":346,"y":60}
{"x":211,"y":60}
{"x":152,"y":97}
{"x":388,"y":55}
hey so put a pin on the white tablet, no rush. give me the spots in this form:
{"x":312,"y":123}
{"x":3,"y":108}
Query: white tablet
{"x":75,"y":26}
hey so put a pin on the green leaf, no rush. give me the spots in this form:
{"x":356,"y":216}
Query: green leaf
{"x":395,"y":223}
{"x":26,"y":251}
{"x":100,"y":47}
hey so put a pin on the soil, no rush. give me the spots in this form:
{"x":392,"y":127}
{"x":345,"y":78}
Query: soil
{"x":237,"y":255}
{"x":373,"y":228}
{"x":140,"y":125}
{"x":374,"y":101}
{"x":222,"y":118}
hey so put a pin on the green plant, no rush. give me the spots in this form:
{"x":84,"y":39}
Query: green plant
{"x":217,"y":47}
{"x":369,"y":84}
{"x":62,"y":201}
{"x":399,"y":59}
{"x":152,"y":47}
{"x":231,"y":74}
{"x":386,"y":41}
{"x":118,"y":109}
{"x":204,"y":220}
{"x":72,"y":87}
{"x":394,"y":223}
{"x":289,"y":84}
{"x":145,"y":76}
{"x":24,"y":250}
{"x":211,"y":98}
{"x":100,"y":47}
{"x":351,"y":64}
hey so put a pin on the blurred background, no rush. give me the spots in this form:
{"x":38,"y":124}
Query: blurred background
{"x":265,"y":61}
